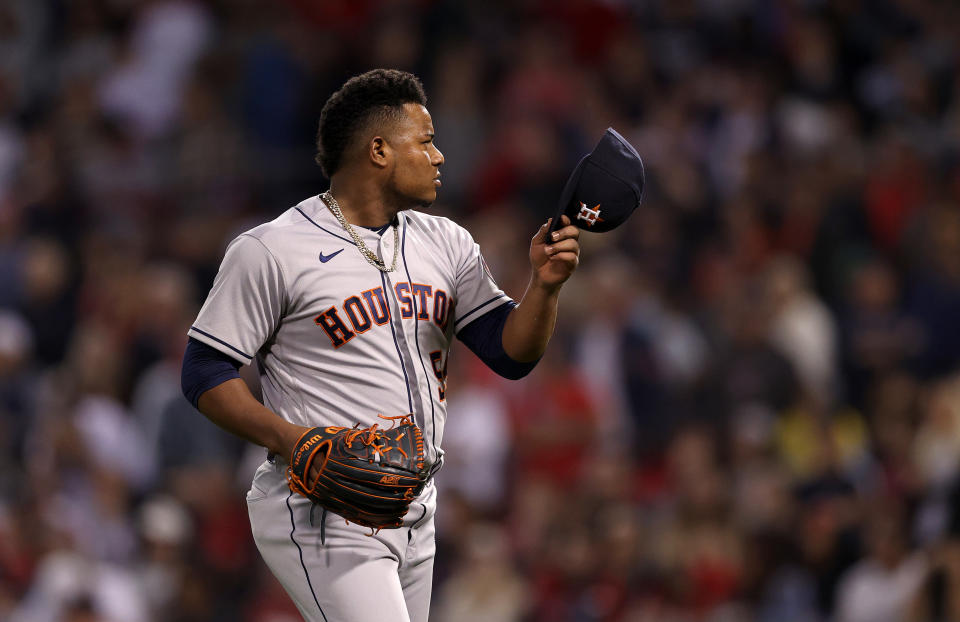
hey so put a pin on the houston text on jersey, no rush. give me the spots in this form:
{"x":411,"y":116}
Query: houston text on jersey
{"x":370,"y":308}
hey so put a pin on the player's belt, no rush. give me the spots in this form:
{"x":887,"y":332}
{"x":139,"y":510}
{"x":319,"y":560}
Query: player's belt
{"x":272,"y":459}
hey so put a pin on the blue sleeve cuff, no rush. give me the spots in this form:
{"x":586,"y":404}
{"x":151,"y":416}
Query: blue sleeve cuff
{"x":484,"y":337}
{"x":204,"y":368}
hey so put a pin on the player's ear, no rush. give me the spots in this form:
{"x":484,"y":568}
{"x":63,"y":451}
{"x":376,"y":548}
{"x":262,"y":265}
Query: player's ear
{"x":379,"y":151}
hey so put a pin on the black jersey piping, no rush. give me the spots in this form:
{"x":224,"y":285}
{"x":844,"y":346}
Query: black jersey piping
{"x":221,"y":342}
{"x":406,"y":378}
{"x":416,"y":340}
{"x":293,"y":528}
{"x":476,"y":308}
{"x":314,"y":223}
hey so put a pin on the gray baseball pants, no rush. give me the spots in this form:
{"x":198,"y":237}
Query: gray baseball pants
{"x":336,"y":572}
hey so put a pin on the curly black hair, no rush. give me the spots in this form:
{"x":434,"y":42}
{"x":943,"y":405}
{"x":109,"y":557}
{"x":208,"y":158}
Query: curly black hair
{"x":374,"y":95}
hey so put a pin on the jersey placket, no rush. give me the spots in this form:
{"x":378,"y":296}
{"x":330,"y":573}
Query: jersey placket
{"x":405,"y":342}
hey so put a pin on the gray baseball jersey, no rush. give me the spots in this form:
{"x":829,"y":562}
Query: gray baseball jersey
{"x":337,"y":340}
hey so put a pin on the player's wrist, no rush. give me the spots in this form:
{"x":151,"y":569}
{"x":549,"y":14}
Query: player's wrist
{"x":545,"y":288}
{"x":286,"y":437}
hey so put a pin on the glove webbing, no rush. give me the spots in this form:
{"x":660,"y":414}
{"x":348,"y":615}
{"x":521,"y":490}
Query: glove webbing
{"x":307,"y":449}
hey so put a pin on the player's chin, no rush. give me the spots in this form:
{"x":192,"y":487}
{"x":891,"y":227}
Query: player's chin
{"x":427,"y":198}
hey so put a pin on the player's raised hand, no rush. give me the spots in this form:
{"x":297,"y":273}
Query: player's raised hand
{"x":555,"y":258}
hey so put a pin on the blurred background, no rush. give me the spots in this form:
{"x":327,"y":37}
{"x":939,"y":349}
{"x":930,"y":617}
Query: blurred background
{"x":751,"y":407}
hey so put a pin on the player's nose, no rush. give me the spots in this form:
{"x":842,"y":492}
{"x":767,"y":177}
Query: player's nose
{"x":437,"y":157}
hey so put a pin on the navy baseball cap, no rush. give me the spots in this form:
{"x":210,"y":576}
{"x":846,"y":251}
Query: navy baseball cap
{"x":605,"y":188}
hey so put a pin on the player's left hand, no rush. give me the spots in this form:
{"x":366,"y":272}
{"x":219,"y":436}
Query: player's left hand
{"x":555,"y":259}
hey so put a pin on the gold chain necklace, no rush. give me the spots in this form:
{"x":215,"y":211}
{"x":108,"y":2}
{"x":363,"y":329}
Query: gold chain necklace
{"x":375,"y":261}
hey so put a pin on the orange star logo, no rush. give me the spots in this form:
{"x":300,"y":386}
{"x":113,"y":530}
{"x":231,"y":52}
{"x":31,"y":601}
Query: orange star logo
{"x":589,"y":214}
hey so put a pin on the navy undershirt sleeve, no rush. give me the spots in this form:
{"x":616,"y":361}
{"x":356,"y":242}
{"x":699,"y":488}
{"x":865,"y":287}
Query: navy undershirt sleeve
{"x":203,"y":368}
{"x":484,"y":336}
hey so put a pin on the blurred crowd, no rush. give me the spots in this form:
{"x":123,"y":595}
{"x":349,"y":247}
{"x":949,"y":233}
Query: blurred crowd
{"x":751,"y":407}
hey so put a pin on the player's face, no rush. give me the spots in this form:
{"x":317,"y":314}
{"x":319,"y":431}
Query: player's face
{"x":415,"y":176}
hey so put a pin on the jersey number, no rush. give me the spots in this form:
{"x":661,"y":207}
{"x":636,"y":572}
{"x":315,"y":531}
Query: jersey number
{"x":440,"y":371}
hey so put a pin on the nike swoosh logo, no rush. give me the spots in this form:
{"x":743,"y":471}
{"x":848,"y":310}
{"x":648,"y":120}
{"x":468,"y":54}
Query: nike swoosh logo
{"x":326,"y":258}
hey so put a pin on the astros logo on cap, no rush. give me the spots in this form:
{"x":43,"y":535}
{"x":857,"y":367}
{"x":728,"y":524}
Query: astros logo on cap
{"x":590,"y":215}
{"x":612,"y":176}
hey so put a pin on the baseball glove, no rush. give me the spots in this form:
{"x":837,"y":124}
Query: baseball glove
{"x":368,"y":476}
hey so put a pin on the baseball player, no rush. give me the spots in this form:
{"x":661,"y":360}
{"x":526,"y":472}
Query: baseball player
{"x":349,"y":302}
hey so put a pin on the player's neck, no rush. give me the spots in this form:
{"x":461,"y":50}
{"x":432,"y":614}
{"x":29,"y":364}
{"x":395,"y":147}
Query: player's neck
{"x":363,"y":204}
